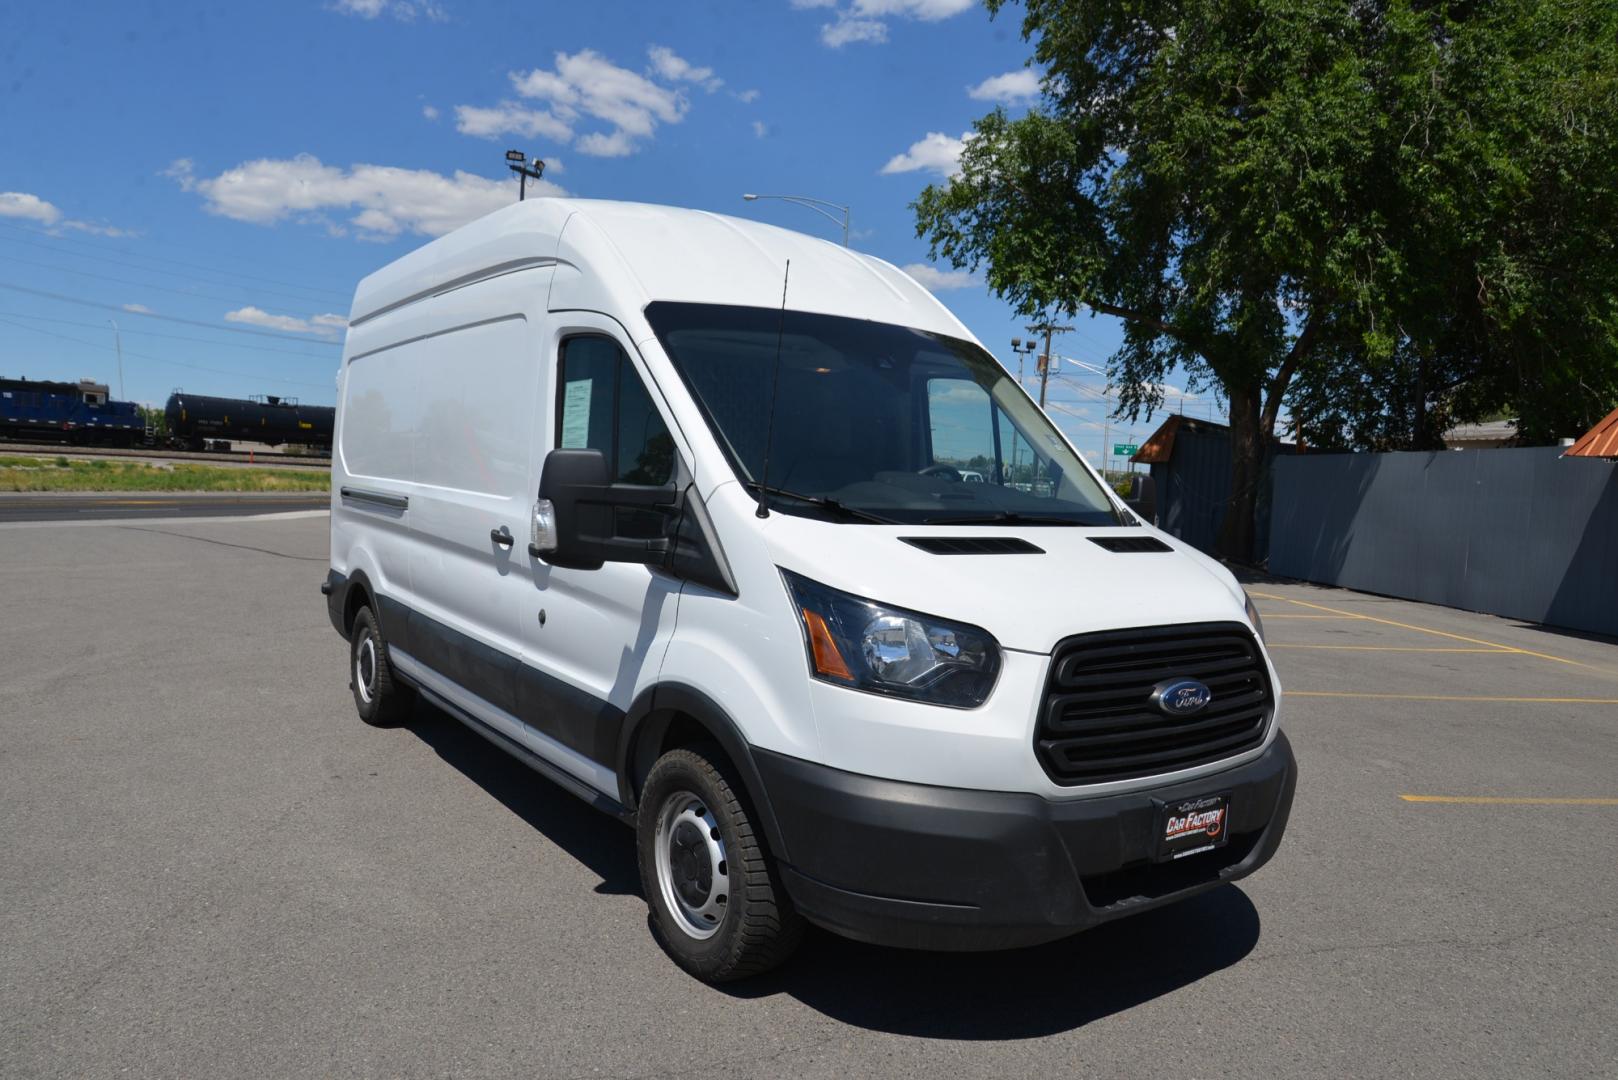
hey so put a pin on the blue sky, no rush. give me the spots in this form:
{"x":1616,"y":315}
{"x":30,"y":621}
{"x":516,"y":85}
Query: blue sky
{"x":234,"y":169}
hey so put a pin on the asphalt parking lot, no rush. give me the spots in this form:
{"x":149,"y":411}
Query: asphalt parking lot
{"x":210,"y":867}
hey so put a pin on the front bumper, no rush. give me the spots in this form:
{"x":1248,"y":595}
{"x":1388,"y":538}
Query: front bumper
{"x":946,"y":868}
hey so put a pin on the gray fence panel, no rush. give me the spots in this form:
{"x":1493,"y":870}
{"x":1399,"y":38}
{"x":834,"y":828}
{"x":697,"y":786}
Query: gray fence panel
{"x":1522,"y":533}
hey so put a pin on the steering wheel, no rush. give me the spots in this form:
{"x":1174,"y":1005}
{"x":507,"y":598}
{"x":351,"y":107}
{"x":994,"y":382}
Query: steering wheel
{"x":948,"y":472}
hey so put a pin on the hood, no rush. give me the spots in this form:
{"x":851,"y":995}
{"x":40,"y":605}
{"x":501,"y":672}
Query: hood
{"x":1028,"y":601}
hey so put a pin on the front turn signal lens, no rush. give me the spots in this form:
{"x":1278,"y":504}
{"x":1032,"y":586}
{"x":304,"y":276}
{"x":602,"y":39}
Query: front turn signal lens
{"x":823,"y":649}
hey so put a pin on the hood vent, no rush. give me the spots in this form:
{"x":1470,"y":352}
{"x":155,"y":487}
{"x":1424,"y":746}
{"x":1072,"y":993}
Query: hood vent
{"x":1128,"y":544}
{"x":973,"y":545}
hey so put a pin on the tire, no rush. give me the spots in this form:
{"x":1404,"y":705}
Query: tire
{"x":689,"y":797}
{"x":380,"y":699}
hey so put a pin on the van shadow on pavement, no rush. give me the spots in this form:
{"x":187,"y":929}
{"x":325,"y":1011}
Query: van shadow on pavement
{"x":1021,"y":994}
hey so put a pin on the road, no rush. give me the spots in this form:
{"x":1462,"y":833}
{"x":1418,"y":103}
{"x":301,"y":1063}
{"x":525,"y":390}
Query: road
{"x":212,"y":868}
{"x":77,"y":506}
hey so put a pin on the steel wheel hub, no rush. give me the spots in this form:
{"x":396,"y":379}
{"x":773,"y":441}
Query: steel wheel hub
{"x":692,"y":871}
{"x":365,"y":667}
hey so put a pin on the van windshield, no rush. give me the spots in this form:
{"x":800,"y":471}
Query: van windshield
{"x":875,"y":423}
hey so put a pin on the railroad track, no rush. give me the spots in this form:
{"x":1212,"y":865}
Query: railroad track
{"x":234,"y":457}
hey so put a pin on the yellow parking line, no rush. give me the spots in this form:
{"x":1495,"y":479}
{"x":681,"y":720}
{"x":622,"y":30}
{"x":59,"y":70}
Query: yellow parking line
{"x":1387,"y":648}
{"x":1428,"y":630}
{"x":1452,"y":697}
{"x":1268,"y":615}
{"x":1502,"y":800}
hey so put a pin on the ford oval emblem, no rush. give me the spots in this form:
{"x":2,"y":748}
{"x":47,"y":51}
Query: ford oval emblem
{"x":1181,"y":697}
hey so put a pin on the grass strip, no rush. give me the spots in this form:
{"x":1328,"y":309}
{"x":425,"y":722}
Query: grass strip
{"x":19,"y":473}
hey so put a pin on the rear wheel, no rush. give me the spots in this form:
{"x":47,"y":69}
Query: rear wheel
{"x":717,"y":906}
{"x":378,"y":697}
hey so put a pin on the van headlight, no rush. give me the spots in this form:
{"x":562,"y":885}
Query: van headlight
{"x":869,"y":646}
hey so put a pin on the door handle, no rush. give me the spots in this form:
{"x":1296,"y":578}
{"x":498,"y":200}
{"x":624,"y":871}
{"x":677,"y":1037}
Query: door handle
{"x":502,"y":536}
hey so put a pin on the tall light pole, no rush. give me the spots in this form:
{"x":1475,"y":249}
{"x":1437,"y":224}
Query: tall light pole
{"x":817,"y":205}
{"x":1021,"y":348}
{"x":117,"y":340}
{"x":526,"y":170}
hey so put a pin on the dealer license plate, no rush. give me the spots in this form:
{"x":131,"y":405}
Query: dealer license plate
{"x":1189,"y":826}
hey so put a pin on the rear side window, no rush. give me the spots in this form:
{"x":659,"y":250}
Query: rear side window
{"x":603,"y":405}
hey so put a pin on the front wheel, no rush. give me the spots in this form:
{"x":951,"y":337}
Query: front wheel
{"x":716,"y":904}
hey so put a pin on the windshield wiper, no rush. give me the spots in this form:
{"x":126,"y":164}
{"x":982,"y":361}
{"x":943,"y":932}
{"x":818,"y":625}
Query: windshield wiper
{"x":852,"y":512}
{"x":1001,"y":517}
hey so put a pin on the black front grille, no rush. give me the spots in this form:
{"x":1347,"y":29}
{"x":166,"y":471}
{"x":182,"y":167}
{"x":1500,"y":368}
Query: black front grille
{"x":1097,"y":722}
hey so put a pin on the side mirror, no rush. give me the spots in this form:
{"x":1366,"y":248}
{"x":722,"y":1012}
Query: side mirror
{"x":591,"y":521}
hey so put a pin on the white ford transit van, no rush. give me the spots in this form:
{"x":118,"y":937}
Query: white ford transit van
{"x":712,"y":563}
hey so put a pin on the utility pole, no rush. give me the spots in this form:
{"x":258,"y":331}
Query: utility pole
{"x":518,"y":163}
{"x":117,"y":339}
{"x":1047,"y":329}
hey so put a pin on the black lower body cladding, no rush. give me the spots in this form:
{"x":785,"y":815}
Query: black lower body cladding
{"x":944,"y":868}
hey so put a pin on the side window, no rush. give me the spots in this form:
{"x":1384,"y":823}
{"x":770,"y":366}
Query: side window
{"x":960,"y":420}
{"x":603,"y":405}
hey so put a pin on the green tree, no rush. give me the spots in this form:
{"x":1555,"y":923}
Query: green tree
{"x":155,"y":419}
{"x":1366,"y":195}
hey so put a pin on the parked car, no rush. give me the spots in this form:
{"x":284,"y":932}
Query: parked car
{"x":691,"y":552}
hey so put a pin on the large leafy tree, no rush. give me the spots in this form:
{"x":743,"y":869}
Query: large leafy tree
{"x":1394,"y":212}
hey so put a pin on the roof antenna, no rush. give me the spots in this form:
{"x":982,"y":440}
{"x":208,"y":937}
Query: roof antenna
{"x":775,"y":389}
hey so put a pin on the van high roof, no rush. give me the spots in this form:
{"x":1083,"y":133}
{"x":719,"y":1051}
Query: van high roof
{"x":634,"y":253}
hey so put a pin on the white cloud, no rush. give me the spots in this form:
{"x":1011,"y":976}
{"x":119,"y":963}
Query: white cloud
{"x":137,"y":309}
{"x":403,"y":10}
{"x":937,"y":153}
{"x":761,"y":129}
{"x":510,"y":118}
{"x":747,"y":97}
{"x":847,"y":31}
{"x":430,"y":112}
{"x":29,"y":207}
{"x":95,"y":229}
{"x":601,"y":144}
{"x":862,"y":20}
{"x":1012,"y":88}
{"x":586,"y":83}
{"x":20,"y":204}
{"x":386,"y":200}
{"x":925,"y":10}
{"x":319,"y":325}
{"x":940,"y":280}
{"x":585,"y":86}
{"x":675,"y":68}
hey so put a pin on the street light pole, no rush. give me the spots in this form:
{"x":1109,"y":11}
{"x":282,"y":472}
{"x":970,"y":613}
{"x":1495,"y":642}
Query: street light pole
{"x":526,"y":170}
{"x":814,"y":204}
{"x":117,"y":340}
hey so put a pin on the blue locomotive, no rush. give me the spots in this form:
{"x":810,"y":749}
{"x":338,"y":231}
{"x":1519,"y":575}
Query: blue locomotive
{"x":80,"y":413}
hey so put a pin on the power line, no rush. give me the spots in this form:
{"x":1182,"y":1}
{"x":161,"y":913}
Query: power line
{"x":253,"y":290}
{"x":164,"y":360}
{"x":176,"y":262}
{"x":192,"y":293}
{"x":173,"y":337}
{"x":166,"y":318}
